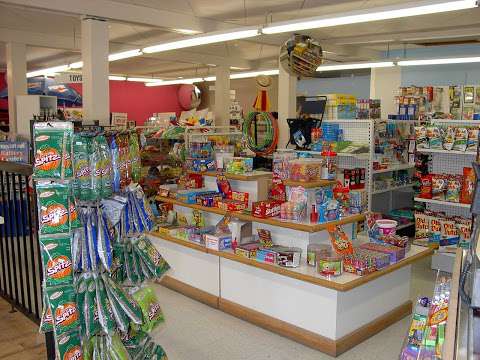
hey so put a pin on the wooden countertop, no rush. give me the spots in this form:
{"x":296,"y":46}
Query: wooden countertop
{"x":307,"y":227}
{"x":344,"y":282}
{"x":252,"y":176}
{"x":310,"y":184}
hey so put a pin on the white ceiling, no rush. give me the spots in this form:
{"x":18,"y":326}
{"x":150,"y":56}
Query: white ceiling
{"x":54,"y":34}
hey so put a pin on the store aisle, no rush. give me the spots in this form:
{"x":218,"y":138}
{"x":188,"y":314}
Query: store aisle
{"x":196,"y":331}
{"x":19,"y":337}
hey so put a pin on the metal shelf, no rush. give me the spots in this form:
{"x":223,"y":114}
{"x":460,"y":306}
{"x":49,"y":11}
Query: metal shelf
{"x":394,"y":168}
{"x":394,"y":188}
{"x":440,"y":202}
{"x":447,"y":152}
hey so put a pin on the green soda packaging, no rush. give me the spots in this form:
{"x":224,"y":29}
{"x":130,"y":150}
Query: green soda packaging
{"x":69,"y":347}
{"x":134,"y":154}
{"x":104,"y":308}
{"x":53,"y":205}
{"x":127,"y":303}
{"x":57,"y":260}
{"x":52,"y":150}
{"x":92,"y":324}
{"x":81,"y":289}
{"x":120,"y":317}
{"x":96,"y":170}
{"x":73,"y":213}
{"x":64,"y":308}
{"x":116,"y":349}
{"x":152,"y":313}
{"x":83,"y":172}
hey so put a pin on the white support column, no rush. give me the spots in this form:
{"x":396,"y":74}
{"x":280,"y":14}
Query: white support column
{"x":96,"y":99}
{"x":287,"y":104}
{"x":16,"y":80}
{"x":384,"y":82}
{"x":222,"y":95}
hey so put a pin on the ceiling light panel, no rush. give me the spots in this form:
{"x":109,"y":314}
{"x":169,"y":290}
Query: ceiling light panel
{"x":203,"y":40}
{"x":354,"y":66}
{"x":124,"y":55}
{"x":462,"y":60}
{"x":373,"y":14}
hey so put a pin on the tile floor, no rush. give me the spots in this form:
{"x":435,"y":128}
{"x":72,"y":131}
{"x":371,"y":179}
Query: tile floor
{"x":196,"y":331}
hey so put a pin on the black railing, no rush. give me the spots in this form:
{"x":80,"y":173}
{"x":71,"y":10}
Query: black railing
{"x":20,"y":260}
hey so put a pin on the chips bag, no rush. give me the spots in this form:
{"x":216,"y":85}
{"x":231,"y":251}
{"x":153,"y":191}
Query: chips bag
{"x":53,"y":205}
{"x":439,"y":185}
{"x":57,"y":260}
{"x":106,"y":167}
{"x":461,"y":139}
{"x":152,"y":313}
{"x":472,"y":143}
{"x":68,"y":346}
{"x":464,"y":227}
{"x":52,"y":147}
{"x":449,"y":234}
{"x":449,"y":138}
{"x":434,"y":137}
{"x":454,"y":186}
{"x":46,"y":323}
{"x":73,"y":213}
{"x":468,"y":186}
{"x":422,"y":225}
{"x":421,"y":137}
{"x":426,"y":186}
{"x":82,"y":169}
{"x":64,"y":309}
{"x":152,"y":258}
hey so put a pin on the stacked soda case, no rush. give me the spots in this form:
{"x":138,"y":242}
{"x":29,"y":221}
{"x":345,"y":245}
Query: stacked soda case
{"x":95,"y":257}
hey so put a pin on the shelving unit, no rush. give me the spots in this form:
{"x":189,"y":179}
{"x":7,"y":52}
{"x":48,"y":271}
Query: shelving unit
{"x":449,"y":152}
{"x":394,"y":168}
{"x":394,"y":188}
{"x":443,"y":203}
{"x":324,"y":313}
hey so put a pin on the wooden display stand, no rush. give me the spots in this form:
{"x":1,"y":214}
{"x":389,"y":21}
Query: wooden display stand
{"x":331,"y":315}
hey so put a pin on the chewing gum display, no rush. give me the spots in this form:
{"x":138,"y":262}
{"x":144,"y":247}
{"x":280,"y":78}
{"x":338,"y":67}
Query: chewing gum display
{"x":53,"y":205}
{"x":57,"y":260}
{"x":53,"y":148}
{"x":152,"y":313}
{"x":69,"y":347}
{"x":64,"y":308}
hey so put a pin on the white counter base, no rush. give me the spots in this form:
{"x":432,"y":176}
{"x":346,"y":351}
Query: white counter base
{"x":326,"y":319}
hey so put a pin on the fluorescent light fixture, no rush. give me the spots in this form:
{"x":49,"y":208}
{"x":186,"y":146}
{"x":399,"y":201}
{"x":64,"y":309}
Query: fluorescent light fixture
{"x":118,"y":78}
{"x":174,"y":82}
{"x":48,"y":71}
{"x":124,"y":55}
{"x":238,"y":68}
{"x":355,"y":66}
{"x":250,"y":74}
{"x":145,"y":80}
{"x":209,"y":38}
{"x":373,"y":14}
{"x":461,"y":60}
{"x":187,"y":31}
{"x":210,"y":78}
{"x":76,"y":65}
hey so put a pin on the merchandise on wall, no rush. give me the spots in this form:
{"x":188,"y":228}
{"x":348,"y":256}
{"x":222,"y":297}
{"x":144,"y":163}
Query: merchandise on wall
{"x":96,"y":258}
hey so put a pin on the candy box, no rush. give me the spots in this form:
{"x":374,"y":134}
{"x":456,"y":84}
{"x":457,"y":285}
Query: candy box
{"x":248,"y":250}
{"x":267,"y":256}
{"x":239,"y":165}
{"x":203,"y":165}
{"x":380,"y":260}
{"x":231,"y":205}
{"x":238,"y":196}
{"x":218,"y":242}
{"x":241,"y":230}
{"x":267,"y":208}
{"x":396,"y":253}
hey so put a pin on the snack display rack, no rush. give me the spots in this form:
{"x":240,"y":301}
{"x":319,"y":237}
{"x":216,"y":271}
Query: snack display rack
{"x":324,"y":312}
{"x":449,"y":162}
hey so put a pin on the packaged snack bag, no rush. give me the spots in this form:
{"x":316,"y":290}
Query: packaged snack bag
{"x":439,"y":185}
{"x":46,"y":323}
{"x":134,"y":154}
{"x":464,"y":227}
{"x":96,"y":170}
{"x":116,"y":349}
{"x":52,"y":148}
{"x":106,"y":167}
{"x":104,"y":308}
{"x":68,"y":346}
{"x":120,"y":317}
{"x":124,"y":163}
{"x":90,"y":307}
{"x":468,"y":186}
{"x":449,"y":138}
{"x":82,"y":169}
{"x":57,"y":260}
{"x":435,"y":228}
{"x":449,"y":234}
{"x":115,"y":163}
{"x":422,"y":225}
{"x":454,"y":185}
{"x":64,"y":309}
{"x":152,"y":313}
{"x":461,"y":139}
{"x":340,"y":241}
{"x":472,"y":142}
{"x":426,"y":186}
{"x":127,"y":303}
{"x":73,"y":214}
{"x":434,"y":137}
{"x":53,"y":207}
{"x":421,"y":137}
{"x":151,"y":257}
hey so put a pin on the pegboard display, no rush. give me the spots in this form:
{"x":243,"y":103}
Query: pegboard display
{"x":449,"y":210}
{"x":445,"y":163}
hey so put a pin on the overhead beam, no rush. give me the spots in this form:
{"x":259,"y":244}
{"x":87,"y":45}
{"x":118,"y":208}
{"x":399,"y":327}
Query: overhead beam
{"x":124,"y":12}
{"x":40,"y":40}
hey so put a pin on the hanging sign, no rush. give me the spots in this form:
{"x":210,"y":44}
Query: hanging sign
{"x":14,"y":151}
{"x":68,"y":78}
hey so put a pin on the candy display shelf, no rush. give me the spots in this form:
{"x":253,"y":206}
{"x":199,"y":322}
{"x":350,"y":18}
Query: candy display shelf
{"x":331,"y":315}
{"x":307,"y":227}
{"x":394,"y":168}
{"x":254,"y":175}
{"x":443,"y":203}
{"x":393,"y":188}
